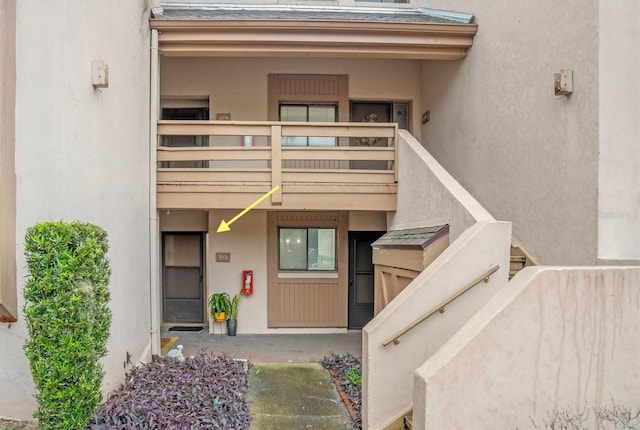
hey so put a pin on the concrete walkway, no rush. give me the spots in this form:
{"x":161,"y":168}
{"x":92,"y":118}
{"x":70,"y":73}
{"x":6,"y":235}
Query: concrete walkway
{"x":288,"y":389}
{"x":294,"y":396}
{"x":271,"y":347}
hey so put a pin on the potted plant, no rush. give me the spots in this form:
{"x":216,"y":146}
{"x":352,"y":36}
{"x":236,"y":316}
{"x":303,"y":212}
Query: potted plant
{"x":232,"y":322}
{"x":219,"y":304}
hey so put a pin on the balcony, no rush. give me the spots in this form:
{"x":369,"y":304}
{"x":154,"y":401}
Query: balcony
{"x":352,"y":166}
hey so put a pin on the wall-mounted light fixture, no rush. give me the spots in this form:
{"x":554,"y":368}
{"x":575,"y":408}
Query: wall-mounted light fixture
{"x":563,"y":82}
{"x":99,"y":74}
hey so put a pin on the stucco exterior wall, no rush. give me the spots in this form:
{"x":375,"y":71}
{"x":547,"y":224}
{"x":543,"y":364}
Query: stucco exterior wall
{"x":428,"y":195}
{"x":8,"y":292}
{"x":239,"y":86}
{"x":528,"y":156}
{"x":554,"y":338}
{"x":388,"y":371}
{"x":619,"y":168}
{"x":247,"y":244}
{"x":83,"y":154}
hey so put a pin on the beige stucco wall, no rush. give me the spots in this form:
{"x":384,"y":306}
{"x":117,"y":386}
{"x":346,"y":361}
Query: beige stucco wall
{"x":239,"y":86}
{"x":247,"y":244}
{"x":82,"y":154}
{"x":178,"y":220}
{"x":388,"y":371}
{"x":527,"y":155}
{"x":8,"y":292}
{"x":554,"y":338}
{"x":428,"y":195}
{"x":367,"y":221}
{"x":619,"y":168}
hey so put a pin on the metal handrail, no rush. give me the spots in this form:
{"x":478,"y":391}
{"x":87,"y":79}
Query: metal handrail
{"x":395,"y":339}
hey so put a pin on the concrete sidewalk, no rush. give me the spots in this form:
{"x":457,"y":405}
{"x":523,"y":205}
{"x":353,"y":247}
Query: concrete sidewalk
{"x":271,"y":347}
{"x":294,"y":396}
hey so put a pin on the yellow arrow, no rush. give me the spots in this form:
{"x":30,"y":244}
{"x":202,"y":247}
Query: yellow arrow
{"x":224,"y":226}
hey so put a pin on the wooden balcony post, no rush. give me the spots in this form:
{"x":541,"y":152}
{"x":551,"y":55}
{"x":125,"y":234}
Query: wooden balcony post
{"x":276,"y":163}
{"x":396,"y":145}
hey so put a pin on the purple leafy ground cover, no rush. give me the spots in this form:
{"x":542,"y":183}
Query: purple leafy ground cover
{"x":204,"y":391}
{"x":343,"y":365}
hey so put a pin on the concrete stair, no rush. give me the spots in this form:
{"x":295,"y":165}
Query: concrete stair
{"x":408,"y":421}
{"x":520,"y":258}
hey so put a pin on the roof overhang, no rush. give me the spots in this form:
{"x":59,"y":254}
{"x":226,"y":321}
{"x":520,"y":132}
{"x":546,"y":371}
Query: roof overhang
{"x":332,"y":35}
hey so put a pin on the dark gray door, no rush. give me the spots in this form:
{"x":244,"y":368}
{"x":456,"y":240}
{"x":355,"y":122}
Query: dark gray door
{"x":370,"y":112}
{"x":182,"y":292}
{"x":361,"y":277}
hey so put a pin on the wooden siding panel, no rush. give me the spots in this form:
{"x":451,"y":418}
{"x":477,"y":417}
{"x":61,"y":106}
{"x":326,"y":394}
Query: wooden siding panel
{"x":388,"y":283}
{"x":312,"y":300}
{"x":308,"y":304}
{"x":308,"y":85}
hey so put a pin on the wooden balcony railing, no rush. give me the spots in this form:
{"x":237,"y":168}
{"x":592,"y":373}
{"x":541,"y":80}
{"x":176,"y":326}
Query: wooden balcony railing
{"x":357,"y":162}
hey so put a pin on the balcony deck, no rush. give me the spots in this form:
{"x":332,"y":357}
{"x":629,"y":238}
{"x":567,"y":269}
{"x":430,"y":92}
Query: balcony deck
{"x":226,"y":174}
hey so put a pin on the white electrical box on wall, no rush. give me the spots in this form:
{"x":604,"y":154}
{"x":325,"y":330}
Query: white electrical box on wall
{"x":99,"y":74}
{"x":247,"y":140}
{"x":563,"y":82}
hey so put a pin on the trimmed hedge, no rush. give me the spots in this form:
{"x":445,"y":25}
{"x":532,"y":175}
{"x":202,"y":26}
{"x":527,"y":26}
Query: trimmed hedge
{"x":68,"y":319}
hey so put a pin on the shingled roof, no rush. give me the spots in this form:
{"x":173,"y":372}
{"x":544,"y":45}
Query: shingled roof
{"x":180,"y":11}
{"x":414,"y":238}
{"x":247,"y":30}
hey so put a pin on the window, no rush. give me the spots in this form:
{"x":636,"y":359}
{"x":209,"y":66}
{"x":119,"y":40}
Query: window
{"x":307,"y":249}
{"x":308,"y":113}
{"x":185,"y":113}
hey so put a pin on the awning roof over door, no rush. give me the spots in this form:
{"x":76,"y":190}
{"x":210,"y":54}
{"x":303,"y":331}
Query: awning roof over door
{"x":418,"y":238}
{"x":311,"y":31}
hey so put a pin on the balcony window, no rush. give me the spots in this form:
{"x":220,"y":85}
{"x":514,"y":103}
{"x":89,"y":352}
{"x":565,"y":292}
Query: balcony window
{"x":185,"y":113}
{"x":308,"y":113}
{"x":307,"y":249}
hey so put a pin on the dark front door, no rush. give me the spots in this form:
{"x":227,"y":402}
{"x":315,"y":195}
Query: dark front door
{"x":182,"y":292}
{"x":361,"y":277}
{"x":370,"y":112}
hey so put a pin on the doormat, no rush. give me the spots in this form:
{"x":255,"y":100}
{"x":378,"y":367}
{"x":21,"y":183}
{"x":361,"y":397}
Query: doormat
{"x":183,"y":328}
{"x":166,"y":342}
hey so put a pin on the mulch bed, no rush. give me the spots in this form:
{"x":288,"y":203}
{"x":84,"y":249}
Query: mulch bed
{"x":351,"y":394}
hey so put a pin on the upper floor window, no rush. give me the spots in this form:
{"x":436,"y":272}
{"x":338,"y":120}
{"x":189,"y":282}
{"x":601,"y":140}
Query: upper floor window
{"x":308,"y":113}
{"x":185,"y":110}
{"x":307,"y":249}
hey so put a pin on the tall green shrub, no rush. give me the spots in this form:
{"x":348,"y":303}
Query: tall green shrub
{"x":68,"y":319}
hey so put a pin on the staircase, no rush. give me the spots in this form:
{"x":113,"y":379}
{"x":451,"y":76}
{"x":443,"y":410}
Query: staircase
{"x":408,"y":421}
{"x":520,"y":258}
{"x":516,"y":263}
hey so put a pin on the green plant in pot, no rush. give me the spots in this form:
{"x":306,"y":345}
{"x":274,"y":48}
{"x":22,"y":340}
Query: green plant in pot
{"x":232,"y":322}
{"x":219,"y":304}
